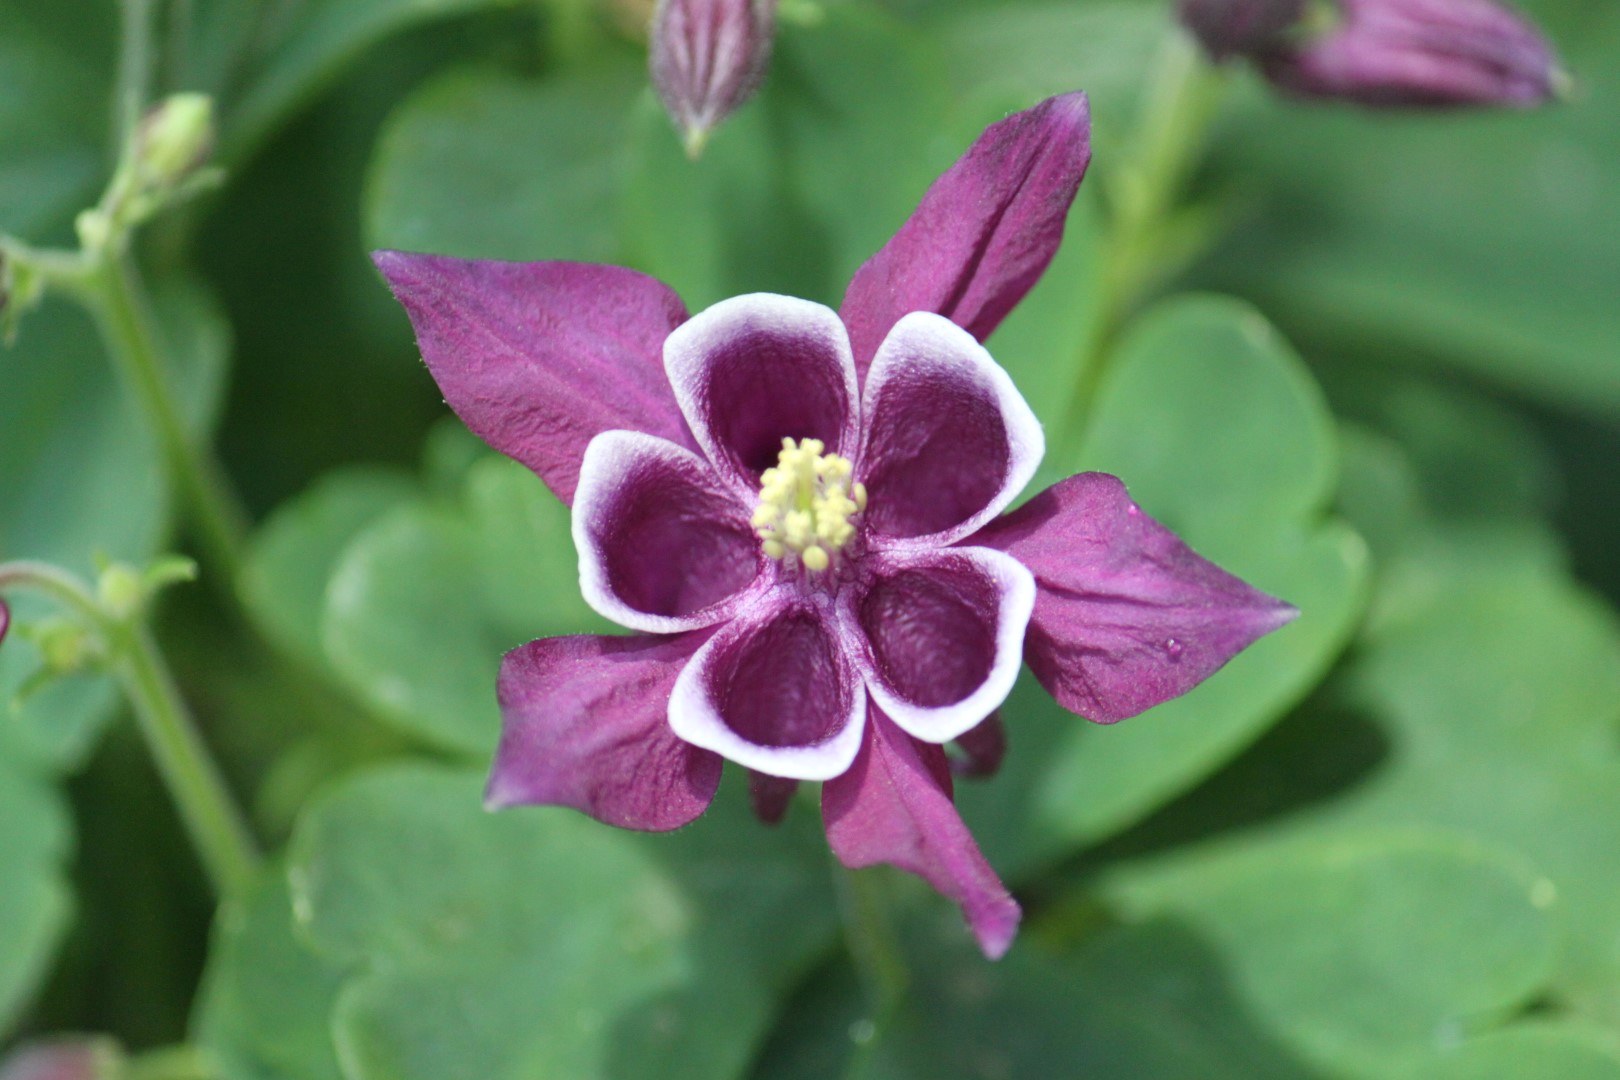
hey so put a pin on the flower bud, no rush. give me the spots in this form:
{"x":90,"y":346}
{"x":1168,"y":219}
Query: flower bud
{"x":707,"y":58}
{"x":1395,"y":53}
{"x":75,"y":1058}
{"x":1229,"y":28}
{"x":174,"y":139}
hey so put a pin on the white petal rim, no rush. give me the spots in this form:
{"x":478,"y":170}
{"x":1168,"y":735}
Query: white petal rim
{"x":689,"y":346}
{"x":608,"y":459}
{"x":1016,"y":602}
{"x":694,"y":718}
{"x":953,"y":351}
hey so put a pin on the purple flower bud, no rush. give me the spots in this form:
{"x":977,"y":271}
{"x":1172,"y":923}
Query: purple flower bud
{"x":1228,"y":28}
{"x":1394,"y":53}
{"x":707,"y":58}
{"x":69,"y":1058}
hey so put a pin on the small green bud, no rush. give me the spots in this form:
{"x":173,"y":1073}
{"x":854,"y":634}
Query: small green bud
{"x":174,"y":139}
{"x":65,"y":646}
{"x":122,"y":590}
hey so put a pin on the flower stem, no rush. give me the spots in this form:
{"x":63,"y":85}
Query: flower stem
{"x":113,"y":291}
{"x":875,"y":949}
{"x":180,"y":1062}
{"x":217,"y":828}
{"x":1183,"y":97}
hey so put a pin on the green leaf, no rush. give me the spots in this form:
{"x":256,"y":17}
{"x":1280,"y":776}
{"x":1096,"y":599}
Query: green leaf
{"x":1364,"y":946}
{"x":805,"y":182}
{"x":483,"y":164}
{"x":54,"y":111}
{"x":538,"y":943}
{"x":264,"y":1009}
{"x":1219,"y":433}
{"x":35,"y":901}
{"x":424,"y":602}
{"x":293,"y":553}
{"x":1527,"y":1051}
{"x":1485,"y":242}
{"x":1024,"y":52}
{"x":265,"y":64}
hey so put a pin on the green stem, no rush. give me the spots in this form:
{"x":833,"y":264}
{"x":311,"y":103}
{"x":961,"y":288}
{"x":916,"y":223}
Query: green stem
{"x":875,"y":949}
{"x":1183,"y":97}
{"x":182,"y":1062}
{"x":218,"y":830}
{"x":113,"y":291}
{"x":134,"y":66}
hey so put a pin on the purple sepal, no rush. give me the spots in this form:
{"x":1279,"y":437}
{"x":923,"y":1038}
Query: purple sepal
{"x":983,"y":234}
{"x":5,"y":620}
{"x":894,"y":806}
{"x":770,"y":795}
{"x":1421,"y":53}
{"x":982,"y":748}
{"x":1126,"y":615}
{"x":707,"y":57}
{"x":538,"y":358}
{"x":585,"y":725}
{"x":1229,"y":28}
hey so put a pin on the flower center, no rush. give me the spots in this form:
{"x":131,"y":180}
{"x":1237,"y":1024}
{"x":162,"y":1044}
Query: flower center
{"x":805,"y":504}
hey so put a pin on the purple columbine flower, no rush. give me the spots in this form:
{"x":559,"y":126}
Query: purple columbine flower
{"x":1386,"y":53}
{"x":707,"y":57}
{"x":800,"y":512}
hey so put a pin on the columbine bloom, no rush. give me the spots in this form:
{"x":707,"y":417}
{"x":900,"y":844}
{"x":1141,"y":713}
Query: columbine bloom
{"x":801,"y":512}
{"x":1388,"y":53}
{"x":707,"y":57}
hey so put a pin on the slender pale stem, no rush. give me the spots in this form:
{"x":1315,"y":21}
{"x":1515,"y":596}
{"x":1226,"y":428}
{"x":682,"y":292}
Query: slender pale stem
{"x":217,"y":828}
{"x":875,"y":949}
{"x":1183,"y":98}
{"x":113,"y":291}
{"x":134,"y":66}
{"x":181,"y":1062}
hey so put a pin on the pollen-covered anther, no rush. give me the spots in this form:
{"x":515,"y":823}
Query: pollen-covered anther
{"x":806,"y":502}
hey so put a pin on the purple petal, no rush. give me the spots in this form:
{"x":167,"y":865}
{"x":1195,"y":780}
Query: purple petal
{"x":1126,"y":615}
{"x":663,"y":547}
{"x":753,"y":370}
{"x":949,"y":441}
{"x":707,"y":58}
{"x":585,"y":725}
{"x":940,"y":635}
{"x":985,"y":231}
{"x":894,"y":806}
{"x":1229,"y":28}
{"x":538,"y":358}
{"x":770,"y":795}
{"x":982,"y":748}
{"x":773,"y":691}
{"x":5,"y":619}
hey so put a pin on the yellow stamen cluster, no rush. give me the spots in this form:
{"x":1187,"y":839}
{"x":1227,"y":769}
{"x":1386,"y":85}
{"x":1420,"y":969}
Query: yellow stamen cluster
{"x":805,"y":503}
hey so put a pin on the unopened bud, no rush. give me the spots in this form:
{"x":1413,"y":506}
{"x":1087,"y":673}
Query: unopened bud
{"x":77,"y":1058}
{"x":707,"y":58}
{"x":122,"y":591}
{"x":64,"y":645}
{"x":1393,"y":53}
{"x":175,"y":139}
{"x":1227,"y":28}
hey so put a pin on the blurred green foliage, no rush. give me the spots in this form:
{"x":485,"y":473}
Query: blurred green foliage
{"x":1380,"y":844}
